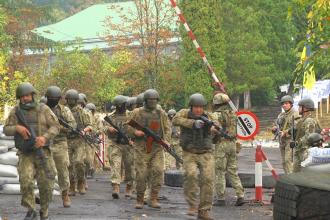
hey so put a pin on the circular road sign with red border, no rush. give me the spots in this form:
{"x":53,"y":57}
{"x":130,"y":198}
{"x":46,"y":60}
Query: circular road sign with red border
{"x":247,"y":125}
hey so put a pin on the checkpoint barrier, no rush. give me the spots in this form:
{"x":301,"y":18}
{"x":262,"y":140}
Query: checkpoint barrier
{"x":260,"y":156}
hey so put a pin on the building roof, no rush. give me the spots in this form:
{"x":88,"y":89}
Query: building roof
{"x":89,"y":25}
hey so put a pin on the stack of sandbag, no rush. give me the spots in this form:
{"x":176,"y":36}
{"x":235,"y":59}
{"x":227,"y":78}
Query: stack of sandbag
{"x":9,"y":179}
{"x":318,"y":159}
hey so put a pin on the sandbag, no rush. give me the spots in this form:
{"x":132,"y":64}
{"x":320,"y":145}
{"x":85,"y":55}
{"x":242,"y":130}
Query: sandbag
{"x":9,"y":158}
{"x":317,"y":156}
{"x":3,"y":149}
{"x":5,"y":180}
{"x":8,"y":143}
{"x":324,"y":168}
{"x":14,"y":189}
{"x":10,"y":189}
{"x":8,"y":171}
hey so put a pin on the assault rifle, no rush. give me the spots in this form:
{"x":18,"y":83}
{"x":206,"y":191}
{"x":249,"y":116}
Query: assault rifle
{"x":122,"y":138}
{"x":220,"y":131}
{"x":91,"y":140}
{"x":151,"y":134}
{"x":293,"y":142}
{"x":29,"y":145}
{"x":87,"y":137}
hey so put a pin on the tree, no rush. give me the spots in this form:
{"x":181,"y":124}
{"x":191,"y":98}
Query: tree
{"x":96,"y":74}
{"x":145,"y":29}
{"x":204,"y":18}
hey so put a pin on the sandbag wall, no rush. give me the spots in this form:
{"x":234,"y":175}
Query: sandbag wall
{"x":9,"y":179}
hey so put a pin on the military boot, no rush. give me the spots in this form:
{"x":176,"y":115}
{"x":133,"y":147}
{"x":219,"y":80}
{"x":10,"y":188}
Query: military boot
{"x":192,"y":211}
{"x":66,"y":199}
{"x":72,"y":188}
{"x":31,"y":215}
{"x":220,"y":202}
{"x":239,"y":202}
{"x":128,"y":191}
{"x":115,"y":191}
{"x":44,"y":215}
{"x":204,"y":215}
{"x":81,"y":187}
{"x":154,"y":199}
{"x":139,"y":201}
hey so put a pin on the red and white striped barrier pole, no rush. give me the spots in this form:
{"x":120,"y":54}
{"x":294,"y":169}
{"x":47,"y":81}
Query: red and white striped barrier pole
{"x":274,"y":173}
{"x":200,"y":51}
{"x":258,"y":174}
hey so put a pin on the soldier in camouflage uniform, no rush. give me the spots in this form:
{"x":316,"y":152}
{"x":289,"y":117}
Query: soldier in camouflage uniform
{"x":283,"y":124}
{"x":30,"y":167}
{"x":174,"y":143}
{"x":149,"y":166}
{"x":225,"y":151}
{"x":198,"y":155}
{"x":90,"y":151}
{"x":59,"y":147}
{"x":131,"y":103}
{"x":119,"y":149}
{"x":303,"y":128}
{"x":77,"y":144}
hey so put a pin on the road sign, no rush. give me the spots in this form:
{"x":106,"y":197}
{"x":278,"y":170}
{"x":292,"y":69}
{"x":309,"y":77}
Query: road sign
{"x":247,"y":126}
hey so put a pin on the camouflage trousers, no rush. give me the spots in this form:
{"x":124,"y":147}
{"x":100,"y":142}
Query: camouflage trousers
{"x":170,"y":162}
{"x":149,"y":168}
{"x":60,"y":155}
{"x":89,"y":157}
{"x":122,"y":154}
{"x":202,"y":165}
{"x":30,"y":168}
{"x":286,"y":155}
{"x":77,"y":155}
{"x":299,"y":156}
{"x":226,"y":162}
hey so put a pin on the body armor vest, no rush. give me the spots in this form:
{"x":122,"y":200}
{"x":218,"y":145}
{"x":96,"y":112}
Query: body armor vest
{"x":196,"y":140}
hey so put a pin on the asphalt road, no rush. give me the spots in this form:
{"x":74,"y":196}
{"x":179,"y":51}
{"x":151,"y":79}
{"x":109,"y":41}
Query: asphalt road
{"x":98,"y":204}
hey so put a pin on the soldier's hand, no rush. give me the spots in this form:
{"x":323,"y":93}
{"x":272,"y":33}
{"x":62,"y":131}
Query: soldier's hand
{"x":112,"y":130}
{"x":139,"y":133}
{"x":40,"y":141}
{"x":130,"y":142}
{"x":23,"y":131}
{"x":198,"y":124}
{"x":87,"y":129}
{"x":214,"y":130}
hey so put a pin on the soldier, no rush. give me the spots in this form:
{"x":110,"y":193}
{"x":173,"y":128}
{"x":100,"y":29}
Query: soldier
{"x":77,"y":144}
{"x":82,"y":100}
{"x":131,"y":103}
{"x":149,"y":166}
{"x":198,"y":149}
{"x":59,"y":147}
{"x":90,"y":152}
{"x":139,"y":100}
{"x":304,"y":127}
{"x":226,"y":152}
{"x":283,"y":124}
{"x":43,"y":99}
{"x":315,"y":140}
{"x":44,"y":125}
{"x":175,"y":138}
{"x":119,"y":149}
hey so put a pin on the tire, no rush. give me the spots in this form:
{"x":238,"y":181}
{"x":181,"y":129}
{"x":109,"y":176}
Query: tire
{"x":174,"y":178}
{"x":300,"y":203}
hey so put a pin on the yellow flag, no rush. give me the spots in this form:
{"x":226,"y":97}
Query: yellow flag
{"x":309,"y":77}
{"x":303,"y":56}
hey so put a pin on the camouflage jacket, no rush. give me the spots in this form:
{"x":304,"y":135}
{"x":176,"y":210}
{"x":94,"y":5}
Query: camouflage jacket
{"x":193,"y":140}
{"x":83,"y":119}
{"x":285,"y":122}
{"x":47,"y":124}
{"x":165,"y":126}
{"x":120,"y":121}
{"x":228,"y":121}
{"x":64,"y":113}
{"x":304,"y":127}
